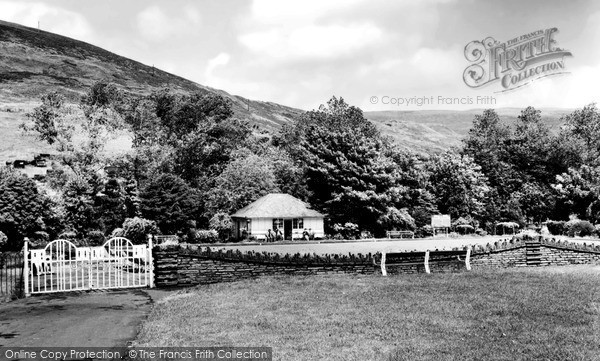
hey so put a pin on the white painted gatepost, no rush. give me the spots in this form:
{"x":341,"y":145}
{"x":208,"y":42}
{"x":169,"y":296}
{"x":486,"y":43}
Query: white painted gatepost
{"x":61,"y":266}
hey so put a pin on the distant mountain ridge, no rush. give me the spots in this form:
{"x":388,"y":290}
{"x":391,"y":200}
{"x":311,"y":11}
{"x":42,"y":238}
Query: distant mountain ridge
{"x":438,"y":130}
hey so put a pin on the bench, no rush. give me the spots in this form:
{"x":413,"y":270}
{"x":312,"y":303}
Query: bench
{"x":400,"y":234}
{"x":424,"y":258}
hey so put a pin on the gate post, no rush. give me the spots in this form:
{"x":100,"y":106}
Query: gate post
{"x":150,"y":262}
{"x":26,"y":266}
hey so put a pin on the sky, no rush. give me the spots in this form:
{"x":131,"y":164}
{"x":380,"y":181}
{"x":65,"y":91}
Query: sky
{"x":377,"y":55}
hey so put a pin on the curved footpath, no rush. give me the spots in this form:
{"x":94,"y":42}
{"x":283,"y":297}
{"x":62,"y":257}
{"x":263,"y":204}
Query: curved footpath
{"x":76,"y":319}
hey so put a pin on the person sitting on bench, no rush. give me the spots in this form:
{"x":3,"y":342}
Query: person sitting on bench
{"x":278,"y":235}
{"x":305,"y":235}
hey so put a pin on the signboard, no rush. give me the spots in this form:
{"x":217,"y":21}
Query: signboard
{"x":440,"y":221}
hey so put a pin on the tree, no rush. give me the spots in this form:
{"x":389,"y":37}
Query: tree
{"x":411,"y":189}
{"x":191,"y":136}
{"x":396,"y":219}
{"x":584,"y":125}
{"x":243,"y":181}
{"x":47,"y":118}
{"x":23,"y":210}
{"x":578,"y":193}
{"x":110,"y":205}
{"x":458,"y":184}
{"x":344,"y":161}
{"x":169,"y":201}
{"x":78,"y":199}
{"x":485,"y":144}
{"x":528,"y":148}
{"x":537,"y":202}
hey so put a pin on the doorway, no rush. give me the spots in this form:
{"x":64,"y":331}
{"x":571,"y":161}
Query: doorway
{"x":287,"y":229}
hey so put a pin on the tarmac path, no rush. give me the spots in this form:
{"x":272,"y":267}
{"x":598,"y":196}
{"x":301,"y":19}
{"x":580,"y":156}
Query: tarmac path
{"x":76,"y":319}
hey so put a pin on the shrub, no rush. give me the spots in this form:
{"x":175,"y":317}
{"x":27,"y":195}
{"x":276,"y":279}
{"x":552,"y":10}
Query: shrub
{"x":425,"y":231}
{"x":68,"y":235}
{"x":117,"y":232}
{"x":347,"y":231}
{"x":137,"y":229}
{"x":39,"y":239}
{"x":95,"y":238}
{"x":556,"y":228}
{"x":366,"y":235}
{"x":527,"y":234}
{"x":580,"y":228}
{"x":222,"y":223}
{"x":206,"y":236}
{"x":481,"y":232}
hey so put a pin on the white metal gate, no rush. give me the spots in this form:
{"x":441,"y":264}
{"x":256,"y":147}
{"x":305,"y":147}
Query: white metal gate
{"x":61,"y":266}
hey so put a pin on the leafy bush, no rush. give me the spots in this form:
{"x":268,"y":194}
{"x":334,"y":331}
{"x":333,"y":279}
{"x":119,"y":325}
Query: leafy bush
{"x":222,"y":223}
{"x":337,"y":237}
{"x":366,"y":235}
{"x":95,"y":238}
{"x":68,"y":235}
{"x":206,"y":236}
{"x":137,"y":230}
{"x":396,"y":219}
{"x":527,"y":234}
{"x":347,"y":231}
{"x":481,"y":232}
{"x":556,"y":228}
{"x":580,"y":228}
{"x":39,"y":239}
{"x":425,"y":231}
{"x":117,"y":232}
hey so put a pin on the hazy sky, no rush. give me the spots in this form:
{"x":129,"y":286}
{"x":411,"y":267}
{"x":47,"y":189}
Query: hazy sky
{"x":300,"y":53}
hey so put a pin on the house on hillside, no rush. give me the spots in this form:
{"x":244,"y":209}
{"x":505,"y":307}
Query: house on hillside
{"x":277,"y":211}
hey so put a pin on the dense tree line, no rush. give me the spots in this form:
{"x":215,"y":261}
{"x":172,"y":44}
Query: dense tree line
{"x":192,"y":162}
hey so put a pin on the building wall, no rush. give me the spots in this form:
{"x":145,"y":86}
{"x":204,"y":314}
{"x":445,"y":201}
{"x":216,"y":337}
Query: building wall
{"x":260,"y":227}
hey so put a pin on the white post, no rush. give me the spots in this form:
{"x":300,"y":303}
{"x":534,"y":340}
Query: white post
{"x":26,"y":266}
{"x":427,"y":262}
{"x":468,"y":259}
{"x":150,"y":263}
{"x":383,"y":268}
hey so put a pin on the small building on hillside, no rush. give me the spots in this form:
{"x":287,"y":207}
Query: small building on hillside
{"x":277,"y":211}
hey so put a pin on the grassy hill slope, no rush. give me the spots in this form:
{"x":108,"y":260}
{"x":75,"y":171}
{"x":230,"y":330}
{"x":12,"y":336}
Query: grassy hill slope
{"x":438,"y":130}
{"x":33,"y":62}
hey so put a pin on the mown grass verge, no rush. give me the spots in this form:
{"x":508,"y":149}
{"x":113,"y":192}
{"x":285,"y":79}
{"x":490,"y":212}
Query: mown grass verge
{"x":518,"y":314}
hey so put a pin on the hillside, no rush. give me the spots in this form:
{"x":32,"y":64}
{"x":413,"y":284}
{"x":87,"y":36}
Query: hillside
{"x":437,"y":130}
{"x":33,"y":62}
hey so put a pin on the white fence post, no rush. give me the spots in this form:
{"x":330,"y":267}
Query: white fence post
{"x":150,"y":262}
{"x":26,"y":266}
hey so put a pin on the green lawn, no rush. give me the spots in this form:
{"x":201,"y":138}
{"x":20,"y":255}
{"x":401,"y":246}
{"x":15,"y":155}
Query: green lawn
{"x":518,"y":314}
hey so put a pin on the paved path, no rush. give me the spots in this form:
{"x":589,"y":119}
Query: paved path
{"x":75,"y":319}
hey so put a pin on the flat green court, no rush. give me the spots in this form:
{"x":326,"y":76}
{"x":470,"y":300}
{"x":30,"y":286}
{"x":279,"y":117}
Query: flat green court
{"x":550,"y":313}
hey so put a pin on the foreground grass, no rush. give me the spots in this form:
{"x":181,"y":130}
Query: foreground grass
{"x":525,"y":314}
